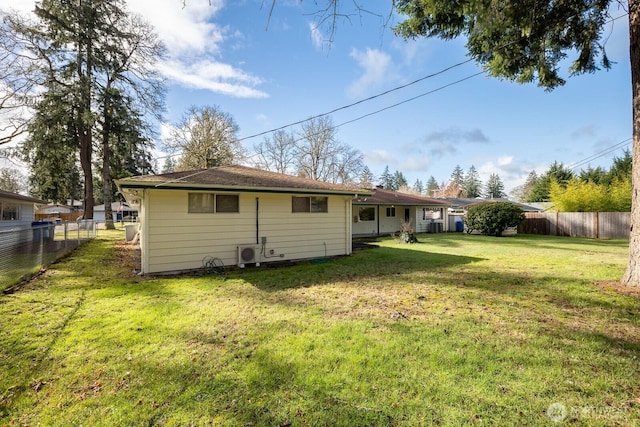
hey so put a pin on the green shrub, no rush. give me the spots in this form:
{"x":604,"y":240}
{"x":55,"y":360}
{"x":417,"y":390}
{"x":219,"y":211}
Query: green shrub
{"x":493,"y":218}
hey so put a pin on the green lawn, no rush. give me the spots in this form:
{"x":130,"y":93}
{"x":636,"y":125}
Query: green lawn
{"x":454,"y":330}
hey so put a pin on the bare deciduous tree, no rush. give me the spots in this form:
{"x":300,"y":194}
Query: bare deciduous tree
{"x":322,"y":157}
{"x":278,"y":153}
{"x":206,"y":137}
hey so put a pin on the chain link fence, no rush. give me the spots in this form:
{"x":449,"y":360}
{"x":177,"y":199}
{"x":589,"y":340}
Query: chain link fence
{"x":25,"y":251}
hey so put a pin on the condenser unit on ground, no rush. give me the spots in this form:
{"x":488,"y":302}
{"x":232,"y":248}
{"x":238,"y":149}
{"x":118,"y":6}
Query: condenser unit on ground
{"x":248,"y":254}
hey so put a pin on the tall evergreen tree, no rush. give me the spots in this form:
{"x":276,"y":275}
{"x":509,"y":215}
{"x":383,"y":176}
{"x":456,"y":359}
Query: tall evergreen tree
{"x":418,"y":186}
{"x":386,"y":179}
{"x":529,"y":41}
{"x":472,"y":185}
{"x":399,"y":181}
{"x":495,"y":187}
{"x":557,"y":172}
{"x":84,"y":51}
{"x":51,"y":147}
{"x":432,"y":187}
{"x":595,"y":175}
{"x":622,"y":167}
{"x":366,"y":178}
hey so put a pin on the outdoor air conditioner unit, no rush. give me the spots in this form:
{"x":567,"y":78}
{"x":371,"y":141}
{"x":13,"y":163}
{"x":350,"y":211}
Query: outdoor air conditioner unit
{"x":248,"y":254}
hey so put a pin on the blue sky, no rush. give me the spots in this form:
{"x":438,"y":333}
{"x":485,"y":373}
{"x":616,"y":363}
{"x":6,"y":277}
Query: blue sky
{"x":269,"y":72}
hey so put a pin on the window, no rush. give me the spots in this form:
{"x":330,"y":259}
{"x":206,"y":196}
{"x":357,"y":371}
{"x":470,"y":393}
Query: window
{"x":367,"y":213}
{"x":431,"y":213}
{"x":200,"y":203}
{"x":210,"y":203}
{"x":309,"y":204}
{"x":227,"y":203}
{"x":391,"y":212}
{"x":9,"y":211}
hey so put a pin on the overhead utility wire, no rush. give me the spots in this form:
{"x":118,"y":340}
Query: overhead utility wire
{"x":444,"y":70}
{"x":385,"y":92}
{"x":599,"y":154}
{"x":410,"y":99}
{"x":388,"y":107}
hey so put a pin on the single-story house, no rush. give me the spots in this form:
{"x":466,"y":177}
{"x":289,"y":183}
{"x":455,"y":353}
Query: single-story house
{"x":459,"y":208}
{"x":237,"y":215}
{"x":58,"y":212}
{"x":120,"y":211}
{"x":16,"y":210}
{"x":56,"y":209}
{"x":384,"y":211}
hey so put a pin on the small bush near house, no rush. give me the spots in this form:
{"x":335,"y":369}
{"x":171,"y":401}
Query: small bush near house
{"x":407,"y":233}
{"x":493,"y":218}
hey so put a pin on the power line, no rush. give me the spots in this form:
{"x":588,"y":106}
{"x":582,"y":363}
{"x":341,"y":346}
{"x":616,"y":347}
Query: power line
{"x":599,"y":154}
{"x":385,"y":108}
{"x":444,"y":70}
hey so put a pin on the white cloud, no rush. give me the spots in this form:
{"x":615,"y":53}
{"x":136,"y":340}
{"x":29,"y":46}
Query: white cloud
{"x":183,"y":29}
{"x":19,"y":6}
{"x":505,"y":161}
{"x":511,"y":172}
{"x":416,"y":163}
{"x":214,"y":76}
{"x":376,"y":70}
{"x":317,"y":39}
{"x":379,"y":157}
{"x":194,"y":42}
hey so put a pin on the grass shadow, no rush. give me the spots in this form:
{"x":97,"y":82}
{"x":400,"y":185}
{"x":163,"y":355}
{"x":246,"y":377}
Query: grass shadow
{"x":375,"y":263}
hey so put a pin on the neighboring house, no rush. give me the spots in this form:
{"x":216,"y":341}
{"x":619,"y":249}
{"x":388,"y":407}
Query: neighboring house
{"x":55,"y":209}
{"x":462,"y":204}
{"x":16,"y":210}
{"x":384,"y":211}
{"x":459,"y":208}
{"x":238,"y":215}
{"x":120,"y":211}
{"x":57,"y":212}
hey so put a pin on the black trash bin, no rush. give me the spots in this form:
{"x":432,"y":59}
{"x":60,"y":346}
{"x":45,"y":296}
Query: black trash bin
{"x":43,"y":231}
{"x":48,"y":229}
{"x":37,"y":230}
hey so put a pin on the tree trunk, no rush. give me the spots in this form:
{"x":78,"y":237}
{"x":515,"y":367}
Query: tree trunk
{"x":85,"y":162}
{"x":632,"y":275}
{"x":106,"y":165}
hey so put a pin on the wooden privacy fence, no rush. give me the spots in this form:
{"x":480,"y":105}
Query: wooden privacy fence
{"x":594,"y":225}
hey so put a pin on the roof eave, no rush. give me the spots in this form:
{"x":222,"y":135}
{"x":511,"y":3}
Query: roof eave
{"x":130,"y":184}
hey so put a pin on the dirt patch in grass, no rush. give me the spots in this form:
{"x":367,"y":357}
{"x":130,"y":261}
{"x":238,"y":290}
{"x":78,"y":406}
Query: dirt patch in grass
{"x":128,"y":256}
{"x":615,"y":286}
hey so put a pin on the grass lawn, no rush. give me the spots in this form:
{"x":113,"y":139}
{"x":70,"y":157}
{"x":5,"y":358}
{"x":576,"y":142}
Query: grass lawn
{"x":454,"y":330}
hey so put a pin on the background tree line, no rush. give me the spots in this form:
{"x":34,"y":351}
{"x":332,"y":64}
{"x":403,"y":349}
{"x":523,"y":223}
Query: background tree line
{"x":85,"y":72}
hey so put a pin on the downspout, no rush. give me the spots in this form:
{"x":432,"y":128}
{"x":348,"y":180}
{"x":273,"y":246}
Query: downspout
{"x":348,"y":226}
{"x":378,"y":221}
{"x":257,"y":221}
{"x":144,"y":233}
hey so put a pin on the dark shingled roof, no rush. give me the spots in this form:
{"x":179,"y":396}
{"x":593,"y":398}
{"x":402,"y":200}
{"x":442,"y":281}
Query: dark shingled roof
{"x":387,"y":197}
{"x":16,"y":196}
{"x":235,"y":177}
